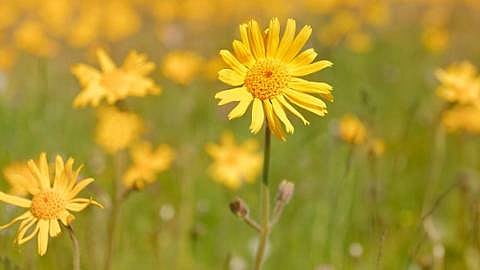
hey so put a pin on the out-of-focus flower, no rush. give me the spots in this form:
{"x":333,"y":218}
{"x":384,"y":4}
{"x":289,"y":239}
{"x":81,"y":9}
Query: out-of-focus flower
{"x":460,"y":83}
{"x":181,"y":66}
{"x":352,"y":130}
{"x":53,"y":197}
{"x":147,"y":163}
{"x":462,"y":118}
{"x":31,"y":37}
{"x":7,"y":58}
{"x":234,"y":163}
{"x":212,"y":66}
{"x":114,"y":83}
{"x":359,"y":42}
{"x":376,"y":147}
{"x":435,"y":39}
{"x":116,"y":129}
{"x":17,"y":175}
{"x":120,"y":20}
{"x":265,"y":71}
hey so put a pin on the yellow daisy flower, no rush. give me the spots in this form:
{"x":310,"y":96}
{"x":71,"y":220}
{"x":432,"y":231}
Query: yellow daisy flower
{"x":181,"y":67}
{"x":18,"y":176}
{"x":53,"y":197}
{"x":460,"y":83}
{"x":352,"y":130}
{"x":114,"y":83}
{"x":116,"y":129}
{"x":234,"y":163}
{"x":265,"y":71}
{"x":146,"y":164}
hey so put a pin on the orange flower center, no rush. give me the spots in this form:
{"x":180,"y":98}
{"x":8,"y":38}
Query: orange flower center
{"x":47,"y":205}
{"x":267,"y":78}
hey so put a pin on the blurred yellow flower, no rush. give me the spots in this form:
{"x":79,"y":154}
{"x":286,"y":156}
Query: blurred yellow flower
{"x":7,"y":58}
{"x":460,"y":83}
{"x":31,"y":37}
{"x":435,"y":39}
{"x":359,"y":42}
{"x":265,"y":71}
{"x":352,"y":130}
{"x":234,"y":163}
{"x":462,"y":118}
{"x":116,"y":129}
{"x":120,"y":19}
{"x":147,"y":163}
{"x":181,"y":66}
{"x":376,"y":147}
{"x":114,"y":83}
{"x":18,"y":176}
{"x":53,"y":196}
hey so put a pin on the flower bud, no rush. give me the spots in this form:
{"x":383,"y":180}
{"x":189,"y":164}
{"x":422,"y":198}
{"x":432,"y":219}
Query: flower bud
{"x":285,"y":191}
{"x":239,"y":208}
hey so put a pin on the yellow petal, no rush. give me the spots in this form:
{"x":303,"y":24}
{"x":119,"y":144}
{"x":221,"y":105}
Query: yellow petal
{"x":303,"y":59}
{"x":90,"y":201}
{"x":42,"y":243}
{"x":230,"y":95}
{"x":85,"y":74}
{"x":243,"y":53}
{"x":14,"y":200}
{"x":230,"y":77}
{"x":298,"y":43}
{"x":307,"y":102}
{"x":233,"y":62}
{"x":54,"y":228}
{"x":24,"y":227}
{"x":23,"y":216}
{"x":59,"y":167}
{"x":106,"y":63}
{"x":324,"y":89}
{"x":258,"y":46}
{"x":289,"y":107}
{"x":79,"y":187}
{"x":287,"y":38}
{"x":272,"y":120}
{"x":257,"y":116}
{"x":277,"y":108}
{"x":244,"y":36}
{"x":43,"y":183}
{"x":43,"y":166}
{"x":311,"y":68}
{"x":273,"y":37}
{"x":22,"y":240}
{"x":79,"y":204}
{"x":240,"y":109}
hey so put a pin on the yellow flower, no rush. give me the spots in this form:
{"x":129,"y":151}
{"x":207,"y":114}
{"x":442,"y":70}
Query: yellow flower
{"x":352,"y":130}
{"x":359,"y":42}
{"x":7,"y":58}
{"x":181,"y":67}
{"x":114,"y":83}
{"x":462,"y":118}
{"x":460,"y":83}
{"x":147,"y":163}
{"x":18,"y":176}
{"x":53,"y":196}
{"x":116,"y":129}
{"x":234,"y":163}
{"x":265,"y":71}
{"x":31,"y":37}
{"x":435,"y":39}
{"x":376,"y":147}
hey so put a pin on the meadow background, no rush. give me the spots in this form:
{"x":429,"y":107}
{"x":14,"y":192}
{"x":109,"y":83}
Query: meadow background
{"x":385,"y":76}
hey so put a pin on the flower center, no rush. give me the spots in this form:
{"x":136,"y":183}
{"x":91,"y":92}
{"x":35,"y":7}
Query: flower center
{"x":267,"y":78}
{"x":47,"y":205}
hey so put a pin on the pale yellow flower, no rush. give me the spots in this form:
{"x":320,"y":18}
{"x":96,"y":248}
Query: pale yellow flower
{"x":53,"y":197}
{"x":181,"y":66}
{"x":265,"y":71}
{"x":114,"y":83}
{"x":352,"y":130}
{"x":462,"y":118}
{"x":147,"y":163}
{"x":18,"y":176}
{"x":234,"y":164}
{"x":116,"y":129}
{"x":460,"y":83}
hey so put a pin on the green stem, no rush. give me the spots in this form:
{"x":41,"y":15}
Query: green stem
{"x":75,"y":249}
{"x":265,"y":194}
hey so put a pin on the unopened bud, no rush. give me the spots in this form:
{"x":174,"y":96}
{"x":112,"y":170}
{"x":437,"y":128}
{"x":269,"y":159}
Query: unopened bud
{"x":239,"y":208}
{"x":285,"y":191}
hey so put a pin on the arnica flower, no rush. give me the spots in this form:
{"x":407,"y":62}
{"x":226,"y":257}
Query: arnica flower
{"x":181,"y":67}
{"x":18,"y":176}
{"x":114,"y":83}
{"x":53,"y":197}
{"x":460,"y":83}
{"x":462,"y":118}
{"x":147,"y":163}
{"x":116,"y":129}
{"x":352,"y":130}
{"x":234,"y":164}
{"x":265,"y":71}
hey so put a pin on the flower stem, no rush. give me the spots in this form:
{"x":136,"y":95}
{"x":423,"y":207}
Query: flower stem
{"x":265,"y":194}
{"x":75,"y":249}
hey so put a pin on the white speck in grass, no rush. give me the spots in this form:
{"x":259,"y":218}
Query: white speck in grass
{"x":203,"y":206}
{"x":167,"y":212}
{"x":237,"y":263}
{"x":356,"y":250}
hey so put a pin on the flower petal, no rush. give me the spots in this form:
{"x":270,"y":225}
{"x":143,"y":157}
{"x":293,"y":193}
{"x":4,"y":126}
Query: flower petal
{"x":272,"y":120}
{"x":234,"y":94}
{"x":58,"y":181}
{"x":323,"y":89}
{"x":230,"y":77}
{"x":79,"y":187}
{"x":273,"y":37}
{"x":23,"y":216}
{"x":240,"y":109}
{"x":14,"y":200}
{"x":289,"y":107}
{"x":277,"y":108}
{"x":256,"y":35}
{"x":286,"y":39}
{"x":106,"y":63}
{"x":311,"y":68}
{"x":298,"y":43}
{"x":42,"y":241}
{"x":233,"y":62}
{"x":54,"y":228}
{"x":243,"y":53}
{"x":258,"y":116}
{"x":22,"y":240}
{"x":304,"y":58}
{"x":307,"y":102}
